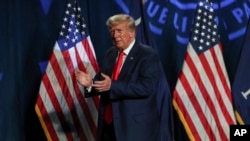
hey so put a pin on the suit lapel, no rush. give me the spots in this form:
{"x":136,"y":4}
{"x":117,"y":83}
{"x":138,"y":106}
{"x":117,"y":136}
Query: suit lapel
{"x":130,"y":60}
{"x":113,"y":57}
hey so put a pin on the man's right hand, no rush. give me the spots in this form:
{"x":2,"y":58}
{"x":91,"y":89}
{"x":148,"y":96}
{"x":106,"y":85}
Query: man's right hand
{"x":83,"y":78}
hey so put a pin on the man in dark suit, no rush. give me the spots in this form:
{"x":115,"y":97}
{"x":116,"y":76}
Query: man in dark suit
{"x":132,"y":93}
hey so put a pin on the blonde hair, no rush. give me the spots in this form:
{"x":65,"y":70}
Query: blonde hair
{"x":120,"y":18}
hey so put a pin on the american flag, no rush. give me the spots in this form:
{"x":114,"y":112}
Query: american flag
{"x":64,"y":113}
{"x":202,"y":96}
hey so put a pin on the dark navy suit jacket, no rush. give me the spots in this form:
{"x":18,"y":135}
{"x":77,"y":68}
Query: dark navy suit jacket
{"x":133,"y":95}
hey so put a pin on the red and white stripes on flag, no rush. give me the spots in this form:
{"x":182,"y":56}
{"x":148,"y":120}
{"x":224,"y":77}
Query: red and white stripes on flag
{"x":63,"y":111}
{"x":202,"y":96}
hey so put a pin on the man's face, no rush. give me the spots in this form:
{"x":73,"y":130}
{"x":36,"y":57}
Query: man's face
{"x":121,"y":35}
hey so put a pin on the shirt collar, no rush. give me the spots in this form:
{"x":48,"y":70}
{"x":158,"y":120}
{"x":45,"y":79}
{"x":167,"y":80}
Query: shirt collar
{"x":127,"y":50}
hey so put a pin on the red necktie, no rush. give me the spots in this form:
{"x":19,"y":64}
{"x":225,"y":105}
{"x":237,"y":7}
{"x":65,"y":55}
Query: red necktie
{"x":108,"y":109}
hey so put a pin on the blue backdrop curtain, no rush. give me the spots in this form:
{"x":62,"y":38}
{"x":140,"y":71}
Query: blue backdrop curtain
{"x":28,"y":30}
